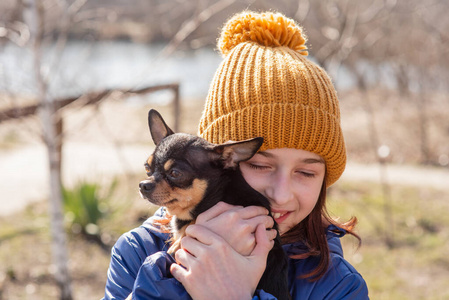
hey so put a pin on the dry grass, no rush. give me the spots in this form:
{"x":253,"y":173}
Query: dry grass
{"x":417,"y":266}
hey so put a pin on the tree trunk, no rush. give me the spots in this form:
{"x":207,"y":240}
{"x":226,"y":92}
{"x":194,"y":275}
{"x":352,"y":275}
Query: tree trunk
{"x":33,"y":16}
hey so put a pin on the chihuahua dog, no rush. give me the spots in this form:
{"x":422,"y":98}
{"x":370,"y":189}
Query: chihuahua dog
{"x":188,"y":175}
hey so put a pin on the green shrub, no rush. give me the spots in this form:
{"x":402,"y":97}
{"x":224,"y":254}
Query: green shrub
{"x":86,"y":205}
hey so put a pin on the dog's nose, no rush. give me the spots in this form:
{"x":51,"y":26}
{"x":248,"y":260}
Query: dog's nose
{"x":146,"y":185}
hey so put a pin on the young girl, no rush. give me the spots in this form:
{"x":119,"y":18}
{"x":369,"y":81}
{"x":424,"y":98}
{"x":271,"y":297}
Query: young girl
{"x":266,"y":86}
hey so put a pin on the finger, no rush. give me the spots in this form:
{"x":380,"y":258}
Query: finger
{"x":252,"y":212}
{"x":214,"y":212}
{"x":271,"y":234}
{"x":263,"y":219}
{"x":269,"y":222}
{"x":178,"y":272}
{"x":184,"y":258}
{"x":250,"y":225}
{"x":263,"y":243}
{"x":201,"y":234}
{"x":191,"y":246}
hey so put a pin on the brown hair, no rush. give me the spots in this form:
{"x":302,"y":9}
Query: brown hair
{"x":312,"y":231}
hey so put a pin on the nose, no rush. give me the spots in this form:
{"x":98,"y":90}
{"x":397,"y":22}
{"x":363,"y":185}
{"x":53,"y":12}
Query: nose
{"x":146,"y":185}
{"x":280,"y":191}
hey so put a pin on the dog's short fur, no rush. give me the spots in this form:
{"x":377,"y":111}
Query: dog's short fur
{"x":188,"y":175}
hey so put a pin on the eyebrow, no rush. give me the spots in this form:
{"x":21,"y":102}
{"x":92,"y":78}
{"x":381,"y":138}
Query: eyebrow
{"x":313,"y":161}
{"x":307,"y":160}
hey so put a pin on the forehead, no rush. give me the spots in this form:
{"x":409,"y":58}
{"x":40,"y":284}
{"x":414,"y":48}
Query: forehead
{"x":182,"y":147}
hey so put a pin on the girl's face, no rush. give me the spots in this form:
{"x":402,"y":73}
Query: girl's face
{"x":291,"y":179}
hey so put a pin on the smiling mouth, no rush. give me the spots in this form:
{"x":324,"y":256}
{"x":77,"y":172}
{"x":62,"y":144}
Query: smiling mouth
{"x":278,"y":215}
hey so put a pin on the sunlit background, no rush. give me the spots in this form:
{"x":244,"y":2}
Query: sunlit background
{"x":77,"y":79}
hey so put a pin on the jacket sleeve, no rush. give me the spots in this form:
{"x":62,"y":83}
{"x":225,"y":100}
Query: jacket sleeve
{"x":127,"y":256}
{"x":154,"y":280}
{"x":351,"y":287}
{"x":340,"y":282}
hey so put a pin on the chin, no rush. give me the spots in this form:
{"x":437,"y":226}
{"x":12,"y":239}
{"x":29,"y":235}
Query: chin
{"x":283,"y":229}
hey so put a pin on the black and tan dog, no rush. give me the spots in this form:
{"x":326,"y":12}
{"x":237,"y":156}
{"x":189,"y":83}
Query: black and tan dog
{"x":188,"y":175}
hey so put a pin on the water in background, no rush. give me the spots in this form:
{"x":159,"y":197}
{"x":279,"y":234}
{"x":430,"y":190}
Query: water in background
{"x":84,"y":66}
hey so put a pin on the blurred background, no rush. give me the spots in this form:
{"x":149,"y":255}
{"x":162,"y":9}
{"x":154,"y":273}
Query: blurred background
{"x":78,"y":77}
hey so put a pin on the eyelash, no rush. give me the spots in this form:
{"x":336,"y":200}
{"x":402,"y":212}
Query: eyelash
{"x":257,"y":167}
{"x":308,"y":175}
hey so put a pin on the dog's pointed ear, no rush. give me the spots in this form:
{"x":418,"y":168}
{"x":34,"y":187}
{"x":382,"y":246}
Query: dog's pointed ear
{"x":231,"y":153}
{"x":159,"y":130}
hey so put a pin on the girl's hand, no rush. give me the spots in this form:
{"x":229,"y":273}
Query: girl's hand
{"x":237,"y":224}
{"x":212,"y":269}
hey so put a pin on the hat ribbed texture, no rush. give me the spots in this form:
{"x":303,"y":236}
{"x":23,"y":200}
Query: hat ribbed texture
{"x":267,"y":87}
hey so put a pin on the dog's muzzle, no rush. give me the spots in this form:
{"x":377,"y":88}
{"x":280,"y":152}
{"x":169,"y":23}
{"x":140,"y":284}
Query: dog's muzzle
{"x":147,"y":185}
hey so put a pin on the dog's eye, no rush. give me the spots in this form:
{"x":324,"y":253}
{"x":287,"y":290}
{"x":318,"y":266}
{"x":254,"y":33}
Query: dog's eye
{"x":174,"y":173}
{"x":148,"y":170}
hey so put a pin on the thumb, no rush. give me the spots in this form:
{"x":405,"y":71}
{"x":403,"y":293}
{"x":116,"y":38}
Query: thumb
{"x":263,"y":243}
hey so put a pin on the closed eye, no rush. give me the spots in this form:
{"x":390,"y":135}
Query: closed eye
{"x":307,"y":174}
{"x":258,"y":167}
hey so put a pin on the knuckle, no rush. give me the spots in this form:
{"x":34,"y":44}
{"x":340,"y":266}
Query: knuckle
{"x":233,"y":216}
{"x":200,"y":219}
{"x":260,"y":210}
{"x":178,"y":254}
{"x":269,"y":221}
{"x":190,"y":230}
{"x":222,"y":205}
{"x":251,"y":241}
{"x":247,"y":228}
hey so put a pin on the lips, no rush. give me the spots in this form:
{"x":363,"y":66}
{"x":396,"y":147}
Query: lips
{"x":279,"y":217}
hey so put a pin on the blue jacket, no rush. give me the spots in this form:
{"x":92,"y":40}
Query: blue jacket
{"x":140,"y":265}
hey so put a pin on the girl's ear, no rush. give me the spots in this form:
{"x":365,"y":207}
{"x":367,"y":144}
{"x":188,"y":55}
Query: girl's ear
{"x":231,"y":153}
{"x":158,"y":129}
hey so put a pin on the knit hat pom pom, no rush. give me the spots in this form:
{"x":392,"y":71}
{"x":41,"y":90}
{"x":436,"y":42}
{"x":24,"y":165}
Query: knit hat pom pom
{"x":267,"y":29}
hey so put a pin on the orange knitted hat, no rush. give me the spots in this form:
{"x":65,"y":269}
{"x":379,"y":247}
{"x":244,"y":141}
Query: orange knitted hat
{"x":267,"y":87}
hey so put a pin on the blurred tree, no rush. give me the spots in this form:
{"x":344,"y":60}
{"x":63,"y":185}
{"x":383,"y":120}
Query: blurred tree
{"x":384,"y":44}
{"x":33,"y":15}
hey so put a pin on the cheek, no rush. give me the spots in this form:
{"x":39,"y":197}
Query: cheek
{"x":311,"y":196}
{"x":307,"y":198}
{"x":252,"y":179}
